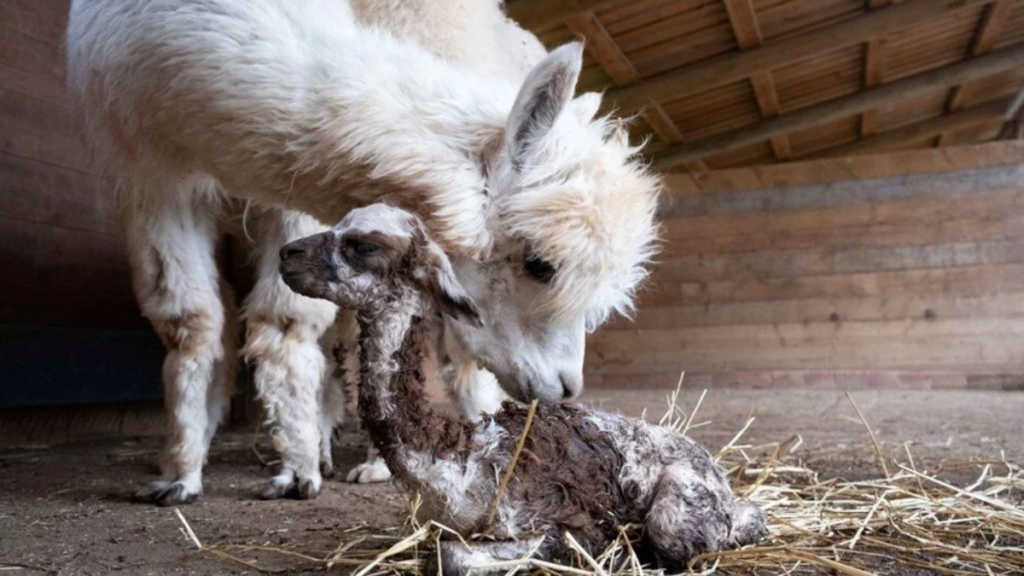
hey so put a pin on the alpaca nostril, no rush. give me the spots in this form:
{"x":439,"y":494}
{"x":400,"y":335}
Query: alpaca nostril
{"x":291,"y":251}
{"x":570,"y":386}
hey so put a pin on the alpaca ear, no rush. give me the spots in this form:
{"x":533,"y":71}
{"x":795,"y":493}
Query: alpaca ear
{"x":438,"y":279}
{"x":587,"y":105}
{"x":545,"y":93}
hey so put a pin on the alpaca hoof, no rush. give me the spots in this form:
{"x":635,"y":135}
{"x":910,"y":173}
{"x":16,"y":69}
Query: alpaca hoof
{"x":167,"y":493}
{"x":288,"y":486}
{"x":749,"y":524}
{"x":326,"y":470}
{"x":308,"y":488}
{"x":369,"y":472}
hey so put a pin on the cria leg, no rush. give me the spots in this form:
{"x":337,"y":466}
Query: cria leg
{"x":171,"y":233}
{"x":283,"y":331}
{"x":456,"y":559}
{"x":692,"y":513}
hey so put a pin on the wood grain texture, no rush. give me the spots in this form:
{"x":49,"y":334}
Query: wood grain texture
{"x":834,"y":273}
{"x":884,"y":95}
{"x":821,"y":40}
{"x":64,"y":260}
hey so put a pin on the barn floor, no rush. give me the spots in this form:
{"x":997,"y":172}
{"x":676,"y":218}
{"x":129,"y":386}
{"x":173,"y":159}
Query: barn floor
{"x":66,"y":510}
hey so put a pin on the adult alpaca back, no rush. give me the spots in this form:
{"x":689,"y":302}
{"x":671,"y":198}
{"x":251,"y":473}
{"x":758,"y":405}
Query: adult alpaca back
{"x":547,"y":217}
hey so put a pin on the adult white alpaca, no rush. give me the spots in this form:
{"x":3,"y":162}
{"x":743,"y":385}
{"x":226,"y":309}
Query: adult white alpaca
{"x":545,"y":212}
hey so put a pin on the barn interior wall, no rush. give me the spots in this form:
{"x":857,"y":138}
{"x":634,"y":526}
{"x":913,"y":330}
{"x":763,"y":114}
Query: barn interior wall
{"x":897,"y":270}
{"x":70,"y":331}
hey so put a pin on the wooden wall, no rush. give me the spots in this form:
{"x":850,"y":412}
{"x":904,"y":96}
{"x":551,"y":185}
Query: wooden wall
{"x":70,"y":330}
{"x":903,"y":269}
{"x":63,"y":261}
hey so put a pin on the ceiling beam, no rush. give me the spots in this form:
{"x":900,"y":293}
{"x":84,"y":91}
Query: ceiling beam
{"x":892,"y":139}
{"x":606,"y":52}
{"x":539,"y":14}
{"x":990,"y":27}
{"x":874,"y":70}
{"x":887,"y":94}
{"x":743,"y":18}
{"x":742,"y":65}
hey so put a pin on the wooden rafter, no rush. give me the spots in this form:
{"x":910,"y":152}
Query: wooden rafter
{"x":887,"y":94}
{"x":874,"y":71}
{"x":539,"y":14}
{"x":748,"y":36}
{"x":990,"y":27}
{"x":742,"y":65}
{"x":606,"y":52}
{"x":991,"y":113}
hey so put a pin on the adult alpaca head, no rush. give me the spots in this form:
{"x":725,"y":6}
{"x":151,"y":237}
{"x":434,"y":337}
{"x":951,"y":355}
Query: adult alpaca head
{"x":569,"y":213}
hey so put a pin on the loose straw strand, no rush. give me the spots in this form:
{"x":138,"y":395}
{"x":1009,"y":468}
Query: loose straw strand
{"x":512,"y":463}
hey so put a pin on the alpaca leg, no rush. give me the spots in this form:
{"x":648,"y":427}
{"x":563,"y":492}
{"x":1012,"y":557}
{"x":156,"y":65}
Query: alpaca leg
{"x":339,"y":345}
{"x":473,"y":390}
{"x":693,"y":513}
{"x":283,"y":331}
{"x":219,"y":394}
{"x":171,"y":235}
{"x":458,"y":559}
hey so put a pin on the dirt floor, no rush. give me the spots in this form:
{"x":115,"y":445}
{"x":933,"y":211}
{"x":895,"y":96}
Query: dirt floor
{"x":67,"y":510}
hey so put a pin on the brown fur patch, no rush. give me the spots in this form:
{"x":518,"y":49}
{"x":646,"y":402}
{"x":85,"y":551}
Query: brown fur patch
{"x":187,"y":333}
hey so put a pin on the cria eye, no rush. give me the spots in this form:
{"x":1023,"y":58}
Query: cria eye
{"x":364,"y":248}
{"x":540,"y":269}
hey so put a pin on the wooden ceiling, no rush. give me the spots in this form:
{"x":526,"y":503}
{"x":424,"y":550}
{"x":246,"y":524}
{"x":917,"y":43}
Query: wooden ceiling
{"x":725,"y":83}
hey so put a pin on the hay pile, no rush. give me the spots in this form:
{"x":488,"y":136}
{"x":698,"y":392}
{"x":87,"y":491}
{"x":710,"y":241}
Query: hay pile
{"x":907,"y":521}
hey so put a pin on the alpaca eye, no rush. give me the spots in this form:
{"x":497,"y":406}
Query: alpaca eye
{"x":540,"y":269}
{"x":364,"y":248}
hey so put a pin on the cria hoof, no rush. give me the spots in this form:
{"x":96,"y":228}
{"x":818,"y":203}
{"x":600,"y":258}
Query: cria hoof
{"x":749,"y":524}
{"x":369,"y":472}
{"x":166,"y":493}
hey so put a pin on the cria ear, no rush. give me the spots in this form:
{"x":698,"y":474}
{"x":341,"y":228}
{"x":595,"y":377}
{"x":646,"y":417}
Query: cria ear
{"x":437,"y":277}
{"x":545,"y":93}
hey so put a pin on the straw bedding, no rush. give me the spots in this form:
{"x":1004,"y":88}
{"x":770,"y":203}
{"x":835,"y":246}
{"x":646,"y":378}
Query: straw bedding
{"x":906,"y":521}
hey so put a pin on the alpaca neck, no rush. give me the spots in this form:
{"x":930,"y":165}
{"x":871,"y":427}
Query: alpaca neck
{"x":392,"y":402}
{"x":413,"y":128}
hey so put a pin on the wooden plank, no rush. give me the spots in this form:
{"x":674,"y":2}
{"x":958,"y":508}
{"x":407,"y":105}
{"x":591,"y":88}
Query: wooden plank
{"x":41,"y":131}
{"x":874,"y":69}
{"x":989,"y":352}
{"x":990,"y":27}
{"x":801,"y":334}
{"x":991,"y":199}
{"x":603,"y":49}
{"x":43,"y":20}
{"x":893,"y":139}
{"x":816,"y":196}
{"x":741,"y":65}
{"x":43,"y":193}
{"x":836,"y":170}
{"x":886,"y":94}
{"x":743,"y":19}
{"x":865,"y":379}
{"x":925,"y":282}
{"x":779,"y":265}
{"x":1005,"y":227}
{"x":835,"y":309}
{"x":538,"y":14}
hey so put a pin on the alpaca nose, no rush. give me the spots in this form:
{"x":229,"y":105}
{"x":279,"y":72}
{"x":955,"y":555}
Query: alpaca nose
{"x":571,"y":386}
{"x":292,"y":250}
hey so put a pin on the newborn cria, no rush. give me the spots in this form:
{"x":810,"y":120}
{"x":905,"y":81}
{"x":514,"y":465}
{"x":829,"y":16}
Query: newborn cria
{"x":582,"y":471}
